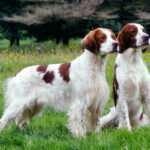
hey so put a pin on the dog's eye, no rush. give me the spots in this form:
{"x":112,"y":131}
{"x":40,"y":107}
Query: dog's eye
{"x":133,"y":31}
{"x":102,"y":38}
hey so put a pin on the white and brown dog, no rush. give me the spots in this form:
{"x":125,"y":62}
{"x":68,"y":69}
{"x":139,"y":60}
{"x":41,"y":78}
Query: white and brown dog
{"x":131,"y":85}
{"x":78,"y":87}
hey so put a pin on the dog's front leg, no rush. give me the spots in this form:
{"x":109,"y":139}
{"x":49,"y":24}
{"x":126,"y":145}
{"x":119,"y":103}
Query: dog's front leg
{"x":123,"y":113}
{"x":94,"y":111}
{"x":83,"y":116}
{"x":76,"y":119}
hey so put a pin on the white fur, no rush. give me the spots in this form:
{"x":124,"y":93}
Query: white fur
{"x":83,"y":97}
{"x":107,"y":46}
{"x":110,"y":119}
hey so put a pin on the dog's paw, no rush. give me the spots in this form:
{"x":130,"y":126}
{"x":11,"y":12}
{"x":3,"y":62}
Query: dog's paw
{"x":98,"y":128}
{"x":128,"y":127}
{"x":79,"y":133}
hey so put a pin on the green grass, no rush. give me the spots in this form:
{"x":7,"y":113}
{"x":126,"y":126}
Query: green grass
{"x":30,"y":45}
{"x":49,"y":131}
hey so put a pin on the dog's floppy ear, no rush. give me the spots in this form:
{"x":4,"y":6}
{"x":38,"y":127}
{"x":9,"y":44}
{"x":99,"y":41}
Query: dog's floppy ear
{"x":90,"y":42}
{"x":123,"y":41}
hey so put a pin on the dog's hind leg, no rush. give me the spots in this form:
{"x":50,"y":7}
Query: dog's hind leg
{"x":10,"y":114}
{"x":27,"y":113}
{"x":22,"y":121}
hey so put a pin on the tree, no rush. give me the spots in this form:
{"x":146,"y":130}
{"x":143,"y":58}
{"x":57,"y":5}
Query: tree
{"x":46,"y":19}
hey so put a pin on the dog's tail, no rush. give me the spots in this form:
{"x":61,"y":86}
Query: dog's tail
{"x":8,"y":87}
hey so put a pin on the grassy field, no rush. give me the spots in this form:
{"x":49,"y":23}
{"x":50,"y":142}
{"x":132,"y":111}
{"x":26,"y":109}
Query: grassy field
{"x":49,"y":132}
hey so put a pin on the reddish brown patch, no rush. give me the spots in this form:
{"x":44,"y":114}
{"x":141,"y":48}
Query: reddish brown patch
{"x":115,"y":87}
{"x":49,"y":77}
{"x":93,"y":40}
{"x":126,"y":37}
{"x":41,"y":68}
{"x":64,"y":71}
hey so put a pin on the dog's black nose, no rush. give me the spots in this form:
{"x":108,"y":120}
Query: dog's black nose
{"x":115,"y":46}
{"x":146,"y":39}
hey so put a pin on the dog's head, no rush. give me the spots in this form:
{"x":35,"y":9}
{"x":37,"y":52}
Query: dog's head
{"x":100,"y":40}
{"x":132,"y":35}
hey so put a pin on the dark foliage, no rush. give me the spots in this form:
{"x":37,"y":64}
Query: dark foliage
{"x":64,"y":19}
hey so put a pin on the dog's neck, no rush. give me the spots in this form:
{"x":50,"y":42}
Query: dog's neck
{"x":95,"y":60}
{"x":132,"y":55}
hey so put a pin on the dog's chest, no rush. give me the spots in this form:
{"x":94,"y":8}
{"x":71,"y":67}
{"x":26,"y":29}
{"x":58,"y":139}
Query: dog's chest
{"x":90,"y":82}
{"x":99,"y":87}
{"x":131,"y":71}
{"x":103,"y":89}
{"x":131,"y":78}
{"x":135,"y":73}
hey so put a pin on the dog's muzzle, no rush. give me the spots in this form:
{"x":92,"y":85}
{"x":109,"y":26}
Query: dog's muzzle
{"x":146,"y":40}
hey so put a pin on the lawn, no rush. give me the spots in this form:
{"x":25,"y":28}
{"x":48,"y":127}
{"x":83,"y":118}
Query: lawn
{"x":49,"y":132}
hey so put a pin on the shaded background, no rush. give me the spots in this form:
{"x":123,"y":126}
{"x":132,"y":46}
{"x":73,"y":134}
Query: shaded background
{"x":61,"y":20}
